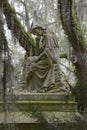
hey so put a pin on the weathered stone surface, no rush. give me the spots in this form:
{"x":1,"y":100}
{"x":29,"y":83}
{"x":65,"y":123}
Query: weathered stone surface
{"x":20,"y":117}
{"x":38,"y":96}
{"x":38,"y":108}
{"x":39,"y":102}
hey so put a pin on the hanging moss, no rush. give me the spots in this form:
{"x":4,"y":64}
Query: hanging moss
{"x":80,"y":34}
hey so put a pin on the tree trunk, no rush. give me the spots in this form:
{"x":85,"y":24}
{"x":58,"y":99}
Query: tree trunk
{"x":76,"y":37}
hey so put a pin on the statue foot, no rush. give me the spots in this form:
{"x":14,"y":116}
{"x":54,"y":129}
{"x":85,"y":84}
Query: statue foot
{"x":50,"y":87}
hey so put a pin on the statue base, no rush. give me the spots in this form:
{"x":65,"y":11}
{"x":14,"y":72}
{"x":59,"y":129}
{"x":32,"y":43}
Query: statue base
{"x":32,"y":110}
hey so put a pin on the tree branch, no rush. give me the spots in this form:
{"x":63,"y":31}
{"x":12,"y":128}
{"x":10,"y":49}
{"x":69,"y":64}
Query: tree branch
{"x":15,"y":26}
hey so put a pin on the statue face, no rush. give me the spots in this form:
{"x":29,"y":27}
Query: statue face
{"x":37,"y":31}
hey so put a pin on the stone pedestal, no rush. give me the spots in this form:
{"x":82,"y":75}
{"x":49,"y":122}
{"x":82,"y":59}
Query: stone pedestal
{"x":38,"y":108}
{"x":43,"y":102}
{"x":39,"y":103}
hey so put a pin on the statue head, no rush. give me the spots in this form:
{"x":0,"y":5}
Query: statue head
{"x":38,"y":30}
{"x":49,"y":40}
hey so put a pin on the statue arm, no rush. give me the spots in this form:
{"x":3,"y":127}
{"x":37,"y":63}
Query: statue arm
{"x":49,"y":55}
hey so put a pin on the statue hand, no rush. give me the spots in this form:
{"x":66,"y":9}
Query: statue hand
{"x":33,"y":66}
{"x":32,"y":59}
{"x":30,"y":70}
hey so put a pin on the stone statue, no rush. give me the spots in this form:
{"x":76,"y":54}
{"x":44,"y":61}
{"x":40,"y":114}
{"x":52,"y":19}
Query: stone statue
{"x":42,"y":70}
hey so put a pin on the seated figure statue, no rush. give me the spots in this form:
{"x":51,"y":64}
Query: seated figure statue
{"x":42,"y":72}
